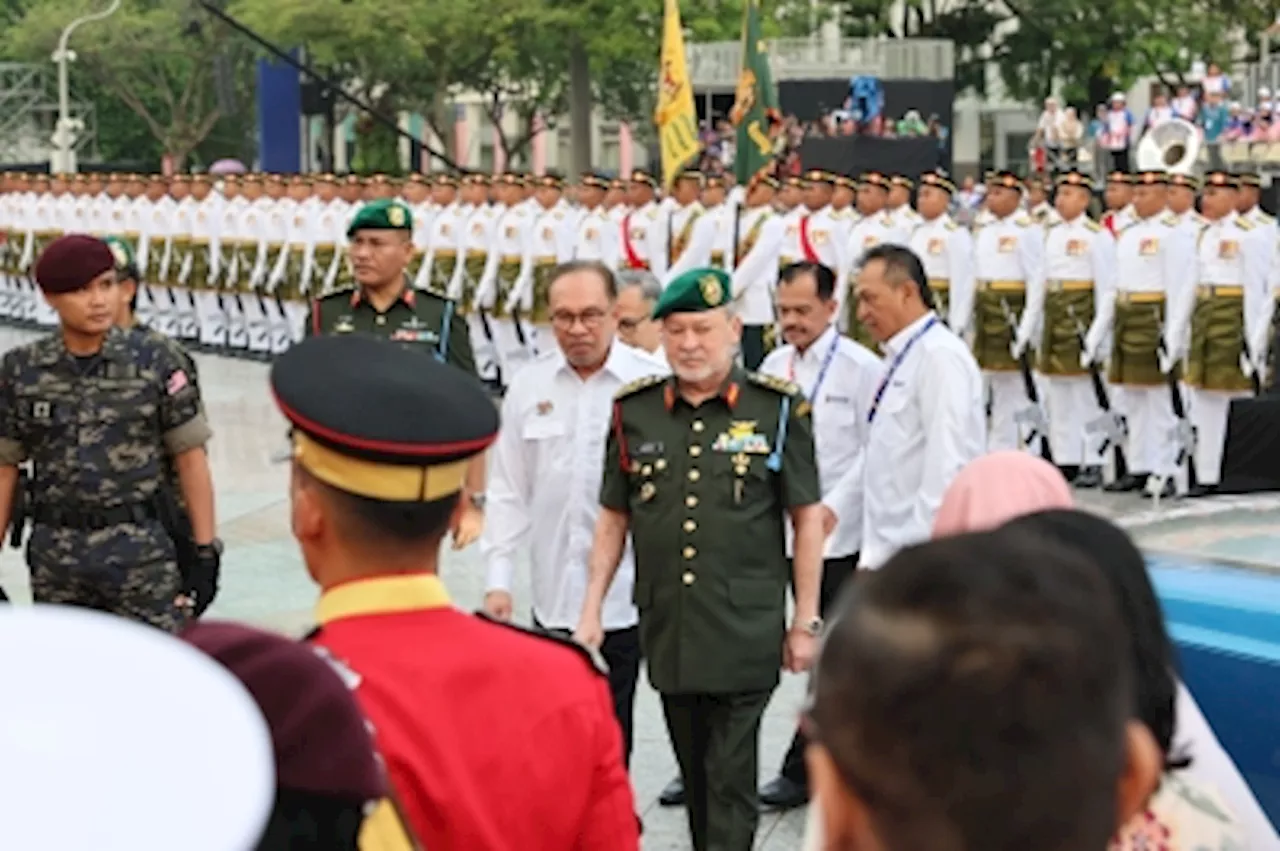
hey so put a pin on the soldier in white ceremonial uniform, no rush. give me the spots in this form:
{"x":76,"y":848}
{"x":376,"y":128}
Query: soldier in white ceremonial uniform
{"x":549,"y":243}
{"x":927,"y":416}
{"x":1154,"y":261}
{"x":189,"y":197}
{"x":155,"y":254}
{"x":1182,"y":192}
{"x":478,"y":220}
{"x":1079,"y":262}
{"x":688,"y":235}
{"x":442,"y":238}
{"x":598,"y":230}
{"x":754,"y":268}
{"x":1230,"y":301}
{"x":247,"y":331}
{"x":545,"y":471}
{"x":1008,"y":263}
{"x":502,"y":275}
{"x":277,"y":219}
{"x":641,"y":237}
{"x":1039,"y":208}
{"x":213,"y":313}
{"x":946,"y":250}
{"x":875,"y":227}
{"x":41,"y":229}
{"x":843,"y":198}
{"x":1117,"y":195}
{"x":790,"y":205}
{"x":823,"y":236}
{"x":297,"y":248}
{"x":898,"y":207}
{"x":839,"y":378}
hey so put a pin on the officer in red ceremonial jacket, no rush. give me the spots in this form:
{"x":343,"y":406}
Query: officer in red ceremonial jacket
{"x":494,"y":739}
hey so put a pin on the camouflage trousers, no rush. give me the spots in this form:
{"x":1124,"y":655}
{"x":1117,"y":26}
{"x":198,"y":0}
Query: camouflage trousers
{"x":129,"y":570}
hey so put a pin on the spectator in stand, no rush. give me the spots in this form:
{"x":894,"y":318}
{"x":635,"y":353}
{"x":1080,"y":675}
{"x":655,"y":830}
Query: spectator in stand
{"x":1184,"y":104}
{"x":912,"y":125}
{"x":1118,"y":132}
{"x":1212,"y":119}
{"x":1160,"y":111}
{"x":1214,"y":82}
{"x":1071,"y":134}
{"x":1048,"y":130}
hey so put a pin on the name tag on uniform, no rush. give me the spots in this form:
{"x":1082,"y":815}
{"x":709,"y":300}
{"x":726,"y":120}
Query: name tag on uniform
{"x":1148,"y":247}
{"x":935,"y":246}
{"x":1075,"y":247}
{"x":836,"y":400}
{"x":819,"y":237}
{"x":869,"y":241}
{"x":1228,"y":249}
{"x":1007,"y":244}
{"x":548,"y":234}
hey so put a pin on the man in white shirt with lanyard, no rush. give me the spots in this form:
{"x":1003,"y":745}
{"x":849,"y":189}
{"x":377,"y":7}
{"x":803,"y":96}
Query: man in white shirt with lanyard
{"x":545,"y":471}
{"x":927,"y":418}
{"x":839,"y":378}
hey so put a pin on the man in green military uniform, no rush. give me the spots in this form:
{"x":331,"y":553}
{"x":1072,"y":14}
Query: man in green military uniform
{"x":384,"y":304}
{"x":703,"y":469}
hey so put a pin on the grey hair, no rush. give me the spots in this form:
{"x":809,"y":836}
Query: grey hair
{"x":650,"y":288}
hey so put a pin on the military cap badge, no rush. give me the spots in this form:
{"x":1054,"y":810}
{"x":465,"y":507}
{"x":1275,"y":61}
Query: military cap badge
{"x":395,"y":215}
{"x":712,"y":292}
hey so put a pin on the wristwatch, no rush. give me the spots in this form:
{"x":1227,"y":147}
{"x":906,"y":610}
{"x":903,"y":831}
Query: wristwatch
{"x":813,"y":627}
{"x":478,"y":500}
{"x":211,"y":549}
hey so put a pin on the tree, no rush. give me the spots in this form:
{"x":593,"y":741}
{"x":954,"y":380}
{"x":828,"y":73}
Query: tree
{"x":1082,"y":48}
{"x":148,"y":55}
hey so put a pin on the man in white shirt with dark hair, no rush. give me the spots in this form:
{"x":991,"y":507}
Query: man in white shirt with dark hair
{"x":839,"y":378}
{"x":638,"y":292}
{"x":927,"y":418}
{"x":546,"y":468}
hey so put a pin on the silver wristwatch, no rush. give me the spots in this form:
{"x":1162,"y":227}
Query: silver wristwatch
{"x":813,"y":627}
{"x":478,"y":500}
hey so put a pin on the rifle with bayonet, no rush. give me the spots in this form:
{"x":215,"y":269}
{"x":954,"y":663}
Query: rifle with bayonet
{"x":1110,"y":424}
{"x":1184,"y":433}
{"x":1033,"y":415}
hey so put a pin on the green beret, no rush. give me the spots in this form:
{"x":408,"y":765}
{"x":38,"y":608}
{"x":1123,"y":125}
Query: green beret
{"x":126,"y":266}
{"x":383,"y":214}
{"x":695,"y":291}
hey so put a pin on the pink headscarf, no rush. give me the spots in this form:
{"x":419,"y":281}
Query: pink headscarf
{"x":996,"y":488}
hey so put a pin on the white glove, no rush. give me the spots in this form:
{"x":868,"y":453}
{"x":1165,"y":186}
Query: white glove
{"x":485,"y":293}
{"x":1017,"y":347}
{"x":1086,"y":359}
{"x":1166,"y":362}
{"x":1246,"y":365}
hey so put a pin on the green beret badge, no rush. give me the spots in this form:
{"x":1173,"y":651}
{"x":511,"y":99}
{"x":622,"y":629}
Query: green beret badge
{"x":712,"y":292}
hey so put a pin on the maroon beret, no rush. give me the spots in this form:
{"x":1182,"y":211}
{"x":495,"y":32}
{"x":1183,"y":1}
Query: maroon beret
{"x":322,"y":741}
{"x":71,"y":262}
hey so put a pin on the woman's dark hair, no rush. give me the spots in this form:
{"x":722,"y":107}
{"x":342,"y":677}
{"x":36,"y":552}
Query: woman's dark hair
{"x":1154,"y":661}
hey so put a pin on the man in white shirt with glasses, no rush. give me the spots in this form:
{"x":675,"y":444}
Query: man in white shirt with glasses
{"x":546,"y":468}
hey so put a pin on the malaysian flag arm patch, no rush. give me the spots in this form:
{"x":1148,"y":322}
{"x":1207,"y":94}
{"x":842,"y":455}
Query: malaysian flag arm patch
{"x":176,"y":383}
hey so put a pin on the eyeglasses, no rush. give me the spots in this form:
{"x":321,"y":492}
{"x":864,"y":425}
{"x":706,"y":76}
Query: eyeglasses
{"x":631,"y":323}
{"x":590,"y":319}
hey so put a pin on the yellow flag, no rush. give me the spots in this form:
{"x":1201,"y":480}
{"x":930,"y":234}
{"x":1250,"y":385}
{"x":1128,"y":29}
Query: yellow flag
{"x":676,"y":117}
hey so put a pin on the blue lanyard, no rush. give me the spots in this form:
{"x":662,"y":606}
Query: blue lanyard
{"x":893,"y":367}
{"x":812,"y":395}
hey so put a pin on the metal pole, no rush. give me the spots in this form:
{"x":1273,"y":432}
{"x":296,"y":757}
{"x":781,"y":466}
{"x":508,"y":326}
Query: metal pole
{"x":64,"y":135}
{"x":390,"y":123}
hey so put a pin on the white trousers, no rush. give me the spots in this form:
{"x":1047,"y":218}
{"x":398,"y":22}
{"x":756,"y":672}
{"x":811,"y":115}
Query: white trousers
{"x":1008,"y":397}
{"x":187,"y":323}
{"x":1209,"y":409}
{"x":1149,"y":413}
{"x":482,"y":348}
{"x":1072,"y":405}
{"x":211,"y":318}
{"x":515,"y":347}
{"x":256,"y":323}
{"x":296,"y":313}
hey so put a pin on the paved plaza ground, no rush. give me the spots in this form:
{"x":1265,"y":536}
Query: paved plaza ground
{"x":264,"y":581}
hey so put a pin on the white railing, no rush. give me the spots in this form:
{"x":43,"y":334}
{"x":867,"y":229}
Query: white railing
{"x":717,"y":64}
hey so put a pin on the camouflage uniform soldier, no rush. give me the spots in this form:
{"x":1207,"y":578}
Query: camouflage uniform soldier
{"x":99,"y":411}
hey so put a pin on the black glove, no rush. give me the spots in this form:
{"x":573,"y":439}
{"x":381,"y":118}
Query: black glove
{"x":203,"y":576}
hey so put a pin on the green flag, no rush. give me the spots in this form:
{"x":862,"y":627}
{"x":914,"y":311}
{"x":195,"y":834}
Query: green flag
{"x":755,"y":104}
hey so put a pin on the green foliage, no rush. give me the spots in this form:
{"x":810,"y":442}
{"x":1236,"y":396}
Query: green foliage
{"x":146,"y":56}
{"x":1082,"y":48}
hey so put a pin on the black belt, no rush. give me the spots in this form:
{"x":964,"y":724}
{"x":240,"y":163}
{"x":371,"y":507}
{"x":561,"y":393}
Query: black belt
{"x":100,"y":518}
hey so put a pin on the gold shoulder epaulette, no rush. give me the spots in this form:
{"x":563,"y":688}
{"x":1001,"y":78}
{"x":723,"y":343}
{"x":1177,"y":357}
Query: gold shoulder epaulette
{"x":558,"y":214}
{"x":774,"y":383}
{"x":950,"y":224}
{"x":1091,"y":225}
{"x":1024,"y":221}
{"x":1266,"y":218}
{"x":639,"y":384}
{"x":1051,"y":223}
{"x":1244,"y":224}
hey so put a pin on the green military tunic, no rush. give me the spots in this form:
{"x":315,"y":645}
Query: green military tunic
{"x":417,"y":319}
{"x":707,"y":489}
